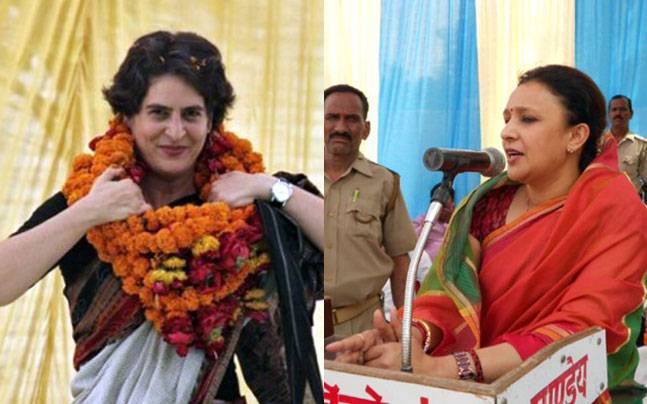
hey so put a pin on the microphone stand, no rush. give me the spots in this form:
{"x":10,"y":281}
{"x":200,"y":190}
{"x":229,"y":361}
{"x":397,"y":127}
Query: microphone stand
{"x":439,"y":199}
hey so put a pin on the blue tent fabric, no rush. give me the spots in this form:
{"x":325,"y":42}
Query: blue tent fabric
{"x":428,"y":90}
{"x":611,"y":47}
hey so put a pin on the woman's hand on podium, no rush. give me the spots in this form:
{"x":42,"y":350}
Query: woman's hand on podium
{"x":388,"y":355}
{"x":352,"y":349}
{"x":355,"y":349}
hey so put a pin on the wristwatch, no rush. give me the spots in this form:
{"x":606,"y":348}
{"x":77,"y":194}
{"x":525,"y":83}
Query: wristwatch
{"x":281,"y":193}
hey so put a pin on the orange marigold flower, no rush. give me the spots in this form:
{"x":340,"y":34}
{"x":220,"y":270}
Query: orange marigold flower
{"x":250,"y":210}
{"x":165,"y":215}
{"x":237,"y":225}
{"x":253,"y":158}
{"x":230,"y":136}
{"x":153,"y":247}
{"x":103,"y":256}
{"x":146,"y":296}
{"x":143,"y":241}
{"x":170,"y":302}
{"x":135,"y":224}
{"x":112,"y":248}
{"x":140,"y":267}
{"x":243,"y":147}
{"x":238,"y":214}
{"x":95,"y":237}
{"x":155,"y":317}
{"x":256,"y":168}
{"x":183,"y":235}
{"x":191,"y":299}
{"x":231,"y":163}
{"x":82,"y":162}
{"x":165,"y":241}
{"x":206,"y":299}
{"x":119,"y":158}
{"x":150,"y":218}
{"x":180,"y":214}
{"x":176,"y":313}
{"x":192,"y":211}
{"x":130,"y":285}
{"x":119,"y":227}
{"x":199,"y":225}
{"x":120,"y":266}
{"x":84,"y":178}
{"x":123,"y":137}
{"x":126,"y":241}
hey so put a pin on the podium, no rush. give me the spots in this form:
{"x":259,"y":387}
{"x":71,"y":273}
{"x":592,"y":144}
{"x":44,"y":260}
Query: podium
{"x":571,"y":370}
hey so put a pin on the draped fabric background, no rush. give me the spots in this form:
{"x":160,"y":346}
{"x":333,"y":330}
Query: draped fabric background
{"x":352,"y":41}
{"x":56,"y":56}
{"x":447,"y":68}
{"x":429,"y":92}
{"x":611,"y":46}
{"x":515,"y":36}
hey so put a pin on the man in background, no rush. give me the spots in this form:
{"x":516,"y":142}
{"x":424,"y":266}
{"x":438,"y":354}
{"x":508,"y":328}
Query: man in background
{"x":368,"y":232}
{"x":632,"y":149}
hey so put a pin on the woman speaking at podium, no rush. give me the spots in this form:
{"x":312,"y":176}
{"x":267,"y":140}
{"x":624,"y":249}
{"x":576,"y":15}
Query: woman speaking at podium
{"x":551,"y":247}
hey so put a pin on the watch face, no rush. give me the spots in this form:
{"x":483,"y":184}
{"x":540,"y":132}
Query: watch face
{"x":281,"y":191}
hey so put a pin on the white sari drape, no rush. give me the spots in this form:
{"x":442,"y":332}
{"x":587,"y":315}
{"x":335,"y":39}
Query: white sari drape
{"x":141,"y":368}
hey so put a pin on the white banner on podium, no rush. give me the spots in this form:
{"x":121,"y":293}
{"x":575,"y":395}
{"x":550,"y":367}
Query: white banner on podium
{"x":370,"y":390}
{"x":573,"y":370}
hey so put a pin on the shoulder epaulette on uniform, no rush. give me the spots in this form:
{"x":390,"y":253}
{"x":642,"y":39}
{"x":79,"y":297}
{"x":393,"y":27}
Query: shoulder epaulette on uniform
{"x":640,"y":138}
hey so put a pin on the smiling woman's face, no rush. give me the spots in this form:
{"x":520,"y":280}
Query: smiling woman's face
{"x":171,"y":127}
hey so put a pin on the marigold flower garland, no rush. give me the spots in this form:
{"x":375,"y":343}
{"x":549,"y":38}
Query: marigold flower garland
{"x":194,"y":268}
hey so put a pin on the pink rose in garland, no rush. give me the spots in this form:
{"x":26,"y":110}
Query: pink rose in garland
{"x":179,"y":331}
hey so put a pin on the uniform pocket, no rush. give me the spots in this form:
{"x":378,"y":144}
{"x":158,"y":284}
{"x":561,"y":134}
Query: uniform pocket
{"x":364,"y":220}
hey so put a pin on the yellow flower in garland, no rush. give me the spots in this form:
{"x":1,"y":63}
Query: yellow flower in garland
{"x":166,"y":277}
{"x":174,"y":263}
{"x":177,"y":261}
{"x":205,"y":244}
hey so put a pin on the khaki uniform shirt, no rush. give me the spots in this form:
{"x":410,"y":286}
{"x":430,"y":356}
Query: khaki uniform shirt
{"x":632,"y":156}
{"x":360,"y":236}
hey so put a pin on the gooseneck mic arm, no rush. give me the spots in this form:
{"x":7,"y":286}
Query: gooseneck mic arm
{"x":439,"y":199}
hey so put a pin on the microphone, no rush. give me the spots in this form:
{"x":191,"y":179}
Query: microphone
{"x":488,"y":162}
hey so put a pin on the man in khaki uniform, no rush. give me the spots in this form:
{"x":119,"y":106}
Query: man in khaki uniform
{"x":632,"y":149}
{"x":368,"y":231}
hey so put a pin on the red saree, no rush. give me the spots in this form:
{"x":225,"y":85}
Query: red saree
{"x":566,"y":265}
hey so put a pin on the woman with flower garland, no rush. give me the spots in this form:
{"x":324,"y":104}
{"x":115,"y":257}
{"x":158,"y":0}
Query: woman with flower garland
{"x":551,"y":247}
{"x":169,"y":265}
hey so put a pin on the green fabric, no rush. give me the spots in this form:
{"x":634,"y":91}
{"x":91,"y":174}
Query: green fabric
{"x":450,"y":273}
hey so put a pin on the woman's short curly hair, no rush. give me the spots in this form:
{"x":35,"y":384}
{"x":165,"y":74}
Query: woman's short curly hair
{"x":184,"y":54}
{"x":580,"y":96}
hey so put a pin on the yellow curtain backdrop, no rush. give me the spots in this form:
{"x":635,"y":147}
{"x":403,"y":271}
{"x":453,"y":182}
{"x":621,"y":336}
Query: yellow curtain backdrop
{"x":55,"y":57}
{"x":514,"y":36}
{"x":352,"y":48}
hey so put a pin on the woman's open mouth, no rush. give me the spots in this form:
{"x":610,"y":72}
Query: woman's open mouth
{"x":513,"y":155}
